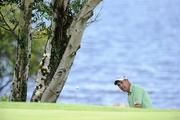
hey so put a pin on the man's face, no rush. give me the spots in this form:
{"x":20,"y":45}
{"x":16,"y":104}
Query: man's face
{"x":123,"y":85}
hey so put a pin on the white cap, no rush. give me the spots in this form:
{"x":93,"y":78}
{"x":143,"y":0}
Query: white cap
{"x":122,"y":78}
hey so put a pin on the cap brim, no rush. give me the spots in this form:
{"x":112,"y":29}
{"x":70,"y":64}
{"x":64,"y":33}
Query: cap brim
{"x":119,"y":79}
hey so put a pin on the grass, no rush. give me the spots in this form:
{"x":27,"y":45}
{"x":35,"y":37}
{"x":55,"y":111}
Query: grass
{"x":49,"y":111}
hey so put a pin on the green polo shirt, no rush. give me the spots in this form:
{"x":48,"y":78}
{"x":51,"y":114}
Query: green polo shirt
{"x":138,"y":95}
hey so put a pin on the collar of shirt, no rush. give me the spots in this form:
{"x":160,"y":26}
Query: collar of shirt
{"x":131,"y":88}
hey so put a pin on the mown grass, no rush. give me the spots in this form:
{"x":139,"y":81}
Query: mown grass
{"x":49,"y":111}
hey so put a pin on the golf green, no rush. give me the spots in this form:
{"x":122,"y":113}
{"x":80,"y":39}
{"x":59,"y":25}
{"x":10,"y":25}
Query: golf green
{"x":50,"y":111}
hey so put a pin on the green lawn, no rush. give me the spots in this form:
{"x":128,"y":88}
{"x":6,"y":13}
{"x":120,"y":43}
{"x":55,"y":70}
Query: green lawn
{"x":45,"y":111}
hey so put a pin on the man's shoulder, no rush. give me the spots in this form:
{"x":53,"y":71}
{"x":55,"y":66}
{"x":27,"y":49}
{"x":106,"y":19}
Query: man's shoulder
{"x":138,"y":88}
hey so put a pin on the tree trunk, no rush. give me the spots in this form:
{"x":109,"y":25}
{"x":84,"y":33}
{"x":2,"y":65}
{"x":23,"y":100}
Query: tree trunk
{"x":55,"y":47}
{"x":19,"y":84}
{"x":61,"y":48}
{"x":75,"y":32}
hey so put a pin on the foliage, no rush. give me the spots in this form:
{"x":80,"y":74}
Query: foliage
{"x":76,"y":5}
{"x":40,"y":22}
{"x":9,"y":21}
{"x":4,"y":98}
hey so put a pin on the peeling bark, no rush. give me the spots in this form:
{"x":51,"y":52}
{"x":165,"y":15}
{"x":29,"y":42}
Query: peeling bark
{"x":19,"y":84}
{"x":55,"y":47}
{"x":75,"y":31}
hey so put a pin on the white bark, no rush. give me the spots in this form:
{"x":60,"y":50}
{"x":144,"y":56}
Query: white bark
{"x":44,"y":70}
{"x":75,"y":31}
{"x":19,"y":85}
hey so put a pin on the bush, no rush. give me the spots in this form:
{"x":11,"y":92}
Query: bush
{"x":4,"y":98}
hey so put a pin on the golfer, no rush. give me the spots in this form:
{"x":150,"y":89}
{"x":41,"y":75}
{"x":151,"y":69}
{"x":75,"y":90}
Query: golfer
{"x":137,"y":97}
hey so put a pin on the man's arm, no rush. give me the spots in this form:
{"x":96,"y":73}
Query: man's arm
{"x":138,"y":98}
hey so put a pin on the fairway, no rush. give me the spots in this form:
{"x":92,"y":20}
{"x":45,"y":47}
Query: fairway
{"x":47,"y":111}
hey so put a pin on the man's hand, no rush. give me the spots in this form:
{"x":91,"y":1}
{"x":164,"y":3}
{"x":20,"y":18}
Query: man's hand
{"x":137,"y":105}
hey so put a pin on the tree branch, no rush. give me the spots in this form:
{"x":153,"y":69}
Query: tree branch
{"x":15,"y":26}
{"x":5,"y":28}
{"x":95,"y":19}
{"x":3,"y":86}
{"x":5,"y":21}
{"x":9,"y":28}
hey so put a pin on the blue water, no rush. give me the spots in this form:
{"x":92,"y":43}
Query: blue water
{"x":136,"y":38}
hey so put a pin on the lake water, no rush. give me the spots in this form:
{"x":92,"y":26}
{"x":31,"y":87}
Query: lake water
{"x":136,"y":38}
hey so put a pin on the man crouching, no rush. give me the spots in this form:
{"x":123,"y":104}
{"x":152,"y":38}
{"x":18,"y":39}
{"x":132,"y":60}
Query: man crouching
{"x":137,"y":97}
